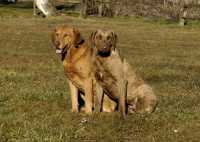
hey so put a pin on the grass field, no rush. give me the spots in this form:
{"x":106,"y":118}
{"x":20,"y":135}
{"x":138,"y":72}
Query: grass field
{"x":34,"y":98}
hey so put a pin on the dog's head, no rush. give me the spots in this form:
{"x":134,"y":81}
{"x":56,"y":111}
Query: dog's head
{"x":65,"y":37}
{"x":103,"y":41}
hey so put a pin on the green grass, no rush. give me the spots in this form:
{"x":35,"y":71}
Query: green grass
{"x":34,"y":97}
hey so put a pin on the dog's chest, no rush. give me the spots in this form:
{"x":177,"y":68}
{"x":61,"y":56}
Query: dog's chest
{"x":113,"y":64}
{"x":109,"y":72}
{"x":73,"y":72}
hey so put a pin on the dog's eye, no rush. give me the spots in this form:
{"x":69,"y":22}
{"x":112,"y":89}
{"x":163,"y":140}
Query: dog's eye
{"x":99,"y":37}
{"x":65,"y":35}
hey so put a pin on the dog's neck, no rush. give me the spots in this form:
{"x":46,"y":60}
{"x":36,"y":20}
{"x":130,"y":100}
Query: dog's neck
{"x":80,"y":43}
{"x":63,"y":55}
{"x":104,"y":55}
{"x":81,"y":48}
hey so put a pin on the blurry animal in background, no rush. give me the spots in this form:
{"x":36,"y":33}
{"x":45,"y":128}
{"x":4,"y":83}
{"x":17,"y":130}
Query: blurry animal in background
{"x":140,"y":96}
{"x":47,"y":7}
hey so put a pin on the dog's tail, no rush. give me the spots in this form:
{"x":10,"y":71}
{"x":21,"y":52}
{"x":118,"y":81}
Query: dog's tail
{"x":123,"y":91}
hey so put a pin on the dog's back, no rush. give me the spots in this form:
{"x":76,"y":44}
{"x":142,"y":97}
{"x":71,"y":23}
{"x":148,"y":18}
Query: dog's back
{"x":139,"y":94}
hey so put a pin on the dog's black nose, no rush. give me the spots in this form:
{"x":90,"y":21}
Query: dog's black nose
{"x":57,"y":43}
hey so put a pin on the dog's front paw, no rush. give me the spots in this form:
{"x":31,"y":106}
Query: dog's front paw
{"x":88,"y":111}
{"x":74,"y":110}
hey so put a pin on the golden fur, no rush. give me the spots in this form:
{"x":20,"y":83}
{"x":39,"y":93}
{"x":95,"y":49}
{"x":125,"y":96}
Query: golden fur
{"x":113,"y":72}
{"x":78,"y":64}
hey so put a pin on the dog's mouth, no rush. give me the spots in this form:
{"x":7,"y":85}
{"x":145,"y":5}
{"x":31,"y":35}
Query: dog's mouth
{"x":61,"y":50}
{"x":58,"y":51}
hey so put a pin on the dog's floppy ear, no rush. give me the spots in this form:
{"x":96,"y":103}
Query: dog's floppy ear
{"x":114,"y":39}
{"x":92,"y":37}
{"x":78,"y":38}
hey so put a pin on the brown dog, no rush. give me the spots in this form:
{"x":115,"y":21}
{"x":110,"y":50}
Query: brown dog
{"x":77,"y":60}
{"x":108,"y":72}
{"x":112,"y":69}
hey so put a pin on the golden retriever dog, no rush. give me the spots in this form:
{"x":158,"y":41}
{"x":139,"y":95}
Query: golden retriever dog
{"x":79,"y":66}
{"x":112,"y":68}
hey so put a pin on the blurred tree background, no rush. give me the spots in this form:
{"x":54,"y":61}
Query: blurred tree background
{"x":167,"y":9}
